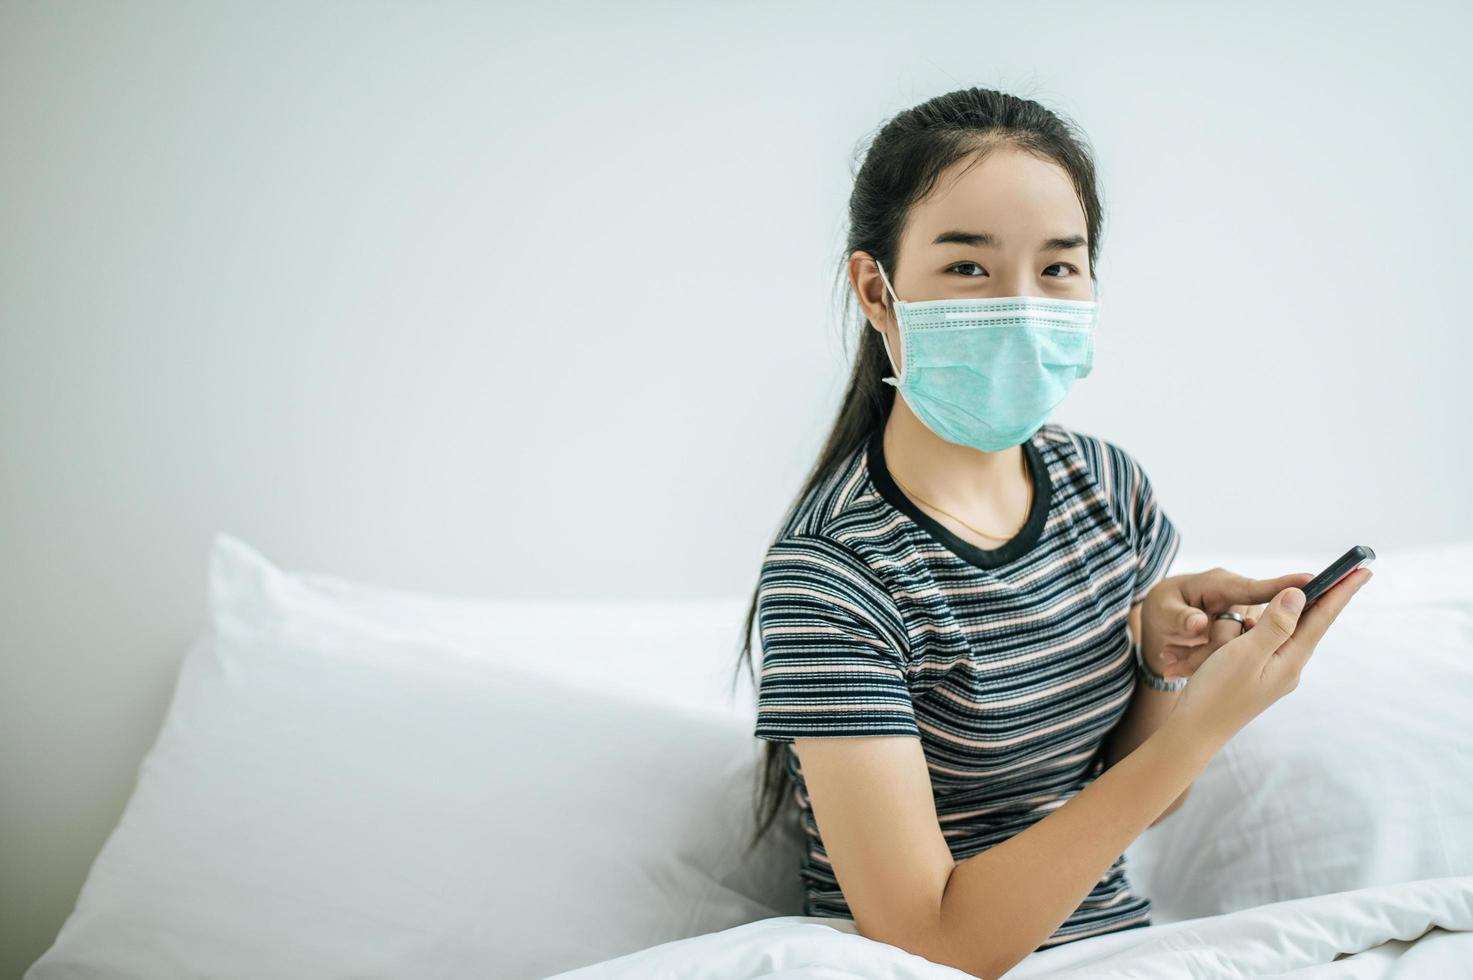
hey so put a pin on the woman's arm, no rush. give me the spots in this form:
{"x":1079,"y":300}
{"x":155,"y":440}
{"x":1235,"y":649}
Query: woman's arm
{"x":872,"y":799}
{"x":1148,"y":710}
{"x":873,"y":803}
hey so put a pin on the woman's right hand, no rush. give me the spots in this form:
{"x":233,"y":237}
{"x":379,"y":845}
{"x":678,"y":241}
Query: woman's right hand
{"x":1244,"y":676}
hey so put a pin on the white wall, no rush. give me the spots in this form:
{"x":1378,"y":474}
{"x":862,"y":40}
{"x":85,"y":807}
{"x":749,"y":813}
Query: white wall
{"x":535,"y":299}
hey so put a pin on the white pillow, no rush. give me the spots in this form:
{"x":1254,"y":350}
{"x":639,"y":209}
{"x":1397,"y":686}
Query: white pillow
{"x":682,"y":650}
{"x":326,"y":802}
{"x":1363,"y":775}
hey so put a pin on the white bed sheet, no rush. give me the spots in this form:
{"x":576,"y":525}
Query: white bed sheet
{"x":1418,"y":929}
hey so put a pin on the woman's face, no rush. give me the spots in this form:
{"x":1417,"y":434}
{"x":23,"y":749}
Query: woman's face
{"x":1009,"y":226}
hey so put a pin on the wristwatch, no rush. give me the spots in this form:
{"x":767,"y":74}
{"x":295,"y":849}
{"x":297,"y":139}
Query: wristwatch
{"x":1154,"y":680}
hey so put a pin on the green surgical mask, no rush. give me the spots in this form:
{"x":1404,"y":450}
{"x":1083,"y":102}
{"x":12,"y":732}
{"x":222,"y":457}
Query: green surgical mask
{"x":987,"y":372}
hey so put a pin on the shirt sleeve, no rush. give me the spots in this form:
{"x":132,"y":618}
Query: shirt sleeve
{"x":1156,"y":538}
{"x":831,"y":655}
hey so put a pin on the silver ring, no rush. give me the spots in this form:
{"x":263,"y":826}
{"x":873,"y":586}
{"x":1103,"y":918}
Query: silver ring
{"x":1232,"y":615}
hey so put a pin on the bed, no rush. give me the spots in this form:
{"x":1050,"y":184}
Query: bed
{"x":358,"y":781}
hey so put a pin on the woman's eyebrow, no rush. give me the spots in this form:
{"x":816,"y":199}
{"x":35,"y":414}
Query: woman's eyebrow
{"x":983,"y":239}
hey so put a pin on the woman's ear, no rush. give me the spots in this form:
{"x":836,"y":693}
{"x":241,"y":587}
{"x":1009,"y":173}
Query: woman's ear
{"x":870,"y":292}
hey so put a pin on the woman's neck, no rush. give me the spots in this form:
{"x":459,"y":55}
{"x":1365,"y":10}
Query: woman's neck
{"x":989,"y":491}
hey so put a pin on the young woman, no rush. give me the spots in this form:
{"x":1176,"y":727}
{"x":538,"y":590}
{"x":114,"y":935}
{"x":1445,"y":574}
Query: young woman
{"x":973,"y":660}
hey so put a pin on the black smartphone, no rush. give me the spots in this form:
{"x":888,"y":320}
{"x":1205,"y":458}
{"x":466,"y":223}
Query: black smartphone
{"x":1339,"y":568}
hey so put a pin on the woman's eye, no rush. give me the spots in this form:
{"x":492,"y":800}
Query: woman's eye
{"x":1057,"y":265}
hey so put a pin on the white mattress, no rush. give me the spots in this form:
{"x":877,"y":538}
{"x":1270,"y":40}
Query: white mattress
{"x":1421,"y":929}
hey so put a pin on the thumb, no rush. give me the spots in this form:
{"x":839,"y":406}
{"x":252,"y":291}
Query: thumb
{"x":1278,"y":621}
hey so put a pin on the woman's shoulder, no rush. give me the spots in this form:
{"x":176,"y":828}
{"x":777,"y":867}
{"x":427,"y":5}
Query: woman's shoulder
{"x":1103,"y":460}
{"x":831,"y":505}
{"x":827,"y":540}
{"x":817,"y":577}
{"x":1116,"y":471}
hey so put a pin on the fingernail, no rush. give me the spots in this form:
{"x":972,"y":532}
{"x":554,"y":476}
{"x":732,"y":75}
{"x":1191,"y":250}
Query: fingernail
{"x":1294,"y":601}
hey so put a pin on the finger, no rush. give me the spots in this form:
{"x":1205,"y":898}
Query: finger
{"x":1187,"y":622}
{"x":1276,"y":626}
{"x":1188,"y":657}
{"x":1224,"y":630}
{"x":1312,"y":624}
{"x":1190,"y":660}
{"x":1229,"y":587}
{"x":1182,"y":648}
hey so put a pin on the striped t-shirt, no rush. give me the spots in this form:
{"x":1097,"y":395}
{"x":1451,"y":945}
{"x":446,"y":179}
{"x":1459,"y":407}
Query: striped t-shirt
{"x":1011,"y":665}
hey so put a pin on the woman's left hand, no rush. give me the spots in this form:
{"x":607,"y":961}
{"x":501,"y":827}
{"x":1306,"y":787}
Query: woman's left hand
{"x":1178,"y":628}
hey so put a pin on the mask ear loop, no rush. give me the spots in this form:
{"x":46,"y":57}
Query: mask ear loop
{"x":893,"y":380}
{"x":1089,"y":357}
{"x":886,"y":280}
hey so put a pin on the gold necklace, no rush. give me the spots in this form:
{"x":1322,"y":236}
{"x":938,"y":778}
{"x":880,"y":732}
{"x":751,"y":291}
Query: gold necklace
{"x":1026,"y":511}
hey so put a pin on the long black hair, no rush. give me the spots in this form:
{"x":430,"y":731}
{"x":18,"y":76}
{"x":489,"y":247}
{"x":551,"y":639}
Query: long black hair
{"x":901,"y":166}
